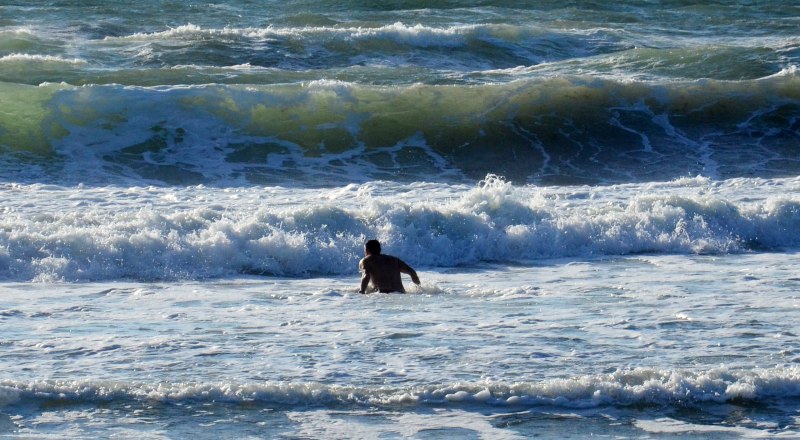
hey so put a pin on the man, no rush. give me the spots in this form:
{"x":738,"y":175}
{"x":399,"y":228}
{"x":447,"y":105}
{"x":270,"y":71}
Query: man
{"x":383,"y":270}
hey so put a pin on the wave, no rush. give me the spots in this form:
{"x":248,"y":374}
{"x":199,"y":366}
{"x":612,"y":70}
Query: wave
{"x":254,"y":233}
{"x":561,"y":130}
{"x":415,"y":34}
{"x":21,"y":57}
{"x":468,"y":46}
{"x":461,"y":53}
{"x":324,"y":49}
{"x":622,"y":388}
{"x":23,"y":39}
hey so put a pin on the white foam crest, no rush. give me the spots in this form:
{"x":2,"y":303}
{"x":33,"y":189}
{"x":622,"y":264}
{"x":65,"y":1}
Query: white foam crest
{"x":788,"y":71}
{"x":331,"y":85}
{"x":621,"y":388}
{"x":183,"y":30}
{"x":92,"y":391}
{"x":419,"y":35}
{"x":18,"y":30}
{"x":323,"y":232}
{"x":498,"y":222}
{"x":637,"y":386}
{"x":24,"y":57}
{"x":197,"y":243}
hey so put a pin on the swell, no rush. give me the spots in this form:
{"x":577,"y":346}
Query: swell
{"x":449,"y":48}
{"x":560,"y":130}
{"x":432,"y":53}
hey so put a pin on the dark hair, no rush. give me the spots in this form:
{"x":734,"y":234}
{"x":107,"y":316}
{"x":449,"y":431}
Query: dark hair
{"x":373,"y":247}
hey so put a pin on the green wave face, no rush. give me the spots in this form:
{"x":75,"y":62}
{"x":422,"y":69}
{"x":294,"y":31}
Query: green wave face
{"x":559,"y":130}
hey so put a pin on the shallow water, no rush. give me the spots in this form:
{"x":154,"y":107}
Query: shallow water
{"x":649,"y":346}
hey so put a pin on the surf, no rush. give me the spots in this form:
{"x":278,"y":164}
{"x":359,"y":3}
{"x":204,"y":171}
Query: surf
{"x":294,"y":232}
{"x":622,"y":388}
{"x":553,"y":131}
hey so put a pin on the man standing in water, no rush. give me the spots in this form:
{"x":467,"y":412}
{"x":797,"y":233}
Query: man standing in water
{"x":383,"y":270}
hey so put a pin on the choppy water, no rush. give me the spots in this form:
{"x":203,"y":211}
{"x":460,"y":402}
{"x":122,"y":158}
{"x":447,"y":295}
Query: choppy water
{"x":601,"y":201}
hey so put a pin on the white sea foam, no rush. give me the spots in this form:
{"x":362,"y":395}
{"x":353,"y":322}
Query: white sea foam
{"x":534,"y":338}
{"x":18,"y":57}
{"x":418,"y":34}
{"x":622,"y":388}
{"x":180,"y":233}
{"x":790,"y":71}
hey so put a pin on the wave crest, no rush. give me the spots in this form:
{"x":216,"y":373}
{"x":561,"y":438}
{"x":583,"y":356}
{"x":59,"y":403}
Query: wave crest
{"x":496,"y":221}
{"x":554,"y":131}
{"x":640,"y":386}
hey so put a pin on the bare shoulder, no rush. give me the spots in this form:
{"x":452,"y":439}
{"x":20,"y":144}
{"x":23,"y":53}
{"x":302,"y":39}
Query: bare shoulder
{"x":380,"y":261}
{"x":386,"y":260}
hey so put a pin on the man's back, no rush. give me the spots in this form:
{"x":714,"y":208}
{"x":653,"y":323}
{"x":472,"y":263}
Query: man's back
{"x":384,"y":272}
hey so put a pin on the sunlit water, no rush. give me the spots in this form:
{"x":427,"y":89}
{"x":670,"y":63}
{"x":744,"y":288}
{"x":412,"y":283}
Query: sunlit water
{"x":601,"y":199}
{"x":648,"y":344}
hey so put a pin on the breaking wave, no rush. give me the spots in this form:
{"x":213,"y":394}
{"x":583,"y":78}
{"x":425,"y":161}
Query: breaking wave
{"x":639,"y":386}
{"x":565,"y":130}
{"x":206,"y":233}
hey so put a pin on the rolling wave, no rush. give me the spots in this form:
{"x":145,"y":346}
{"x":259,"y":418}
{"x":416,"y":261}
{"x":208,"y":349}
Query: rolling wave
{"x":424,"y":53}
{"x":251,"y":234}
{"x":622,"y":388}
{"x":459,"y":48}
{"x":561,"y":130}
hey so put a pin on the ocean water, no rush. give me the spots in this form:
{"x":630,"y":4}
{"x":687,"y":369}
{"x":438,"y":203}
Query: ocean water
{"x":601,"y":200}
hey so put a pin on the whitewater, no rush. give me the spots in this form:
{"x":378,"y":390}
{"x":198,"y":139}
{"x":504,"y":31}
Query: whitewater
{"x":601,"y":201}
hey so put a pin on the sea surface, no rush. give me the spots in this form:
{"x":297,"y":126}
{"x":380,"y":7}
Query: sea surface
{"x":602,"y":200}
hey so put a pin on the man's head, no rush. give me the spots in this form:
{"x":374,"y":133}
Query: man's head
{"x":373,"y":247}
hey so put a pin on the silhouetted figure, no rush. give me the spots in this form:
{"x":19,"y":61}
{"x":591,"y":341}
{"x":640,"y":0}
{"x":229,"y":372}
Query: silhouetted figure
{"x":383,"y":271}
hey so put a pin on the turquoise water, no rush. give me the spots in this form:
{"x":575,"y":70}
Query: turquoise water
{"x":600,"y":199}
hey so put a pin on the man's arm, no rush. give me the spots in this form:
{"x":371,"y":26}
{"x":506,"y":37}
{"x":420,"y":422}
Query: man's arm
{"x":365,"y":277}
{"x":364,"y":282}
{"x":405,"y":268}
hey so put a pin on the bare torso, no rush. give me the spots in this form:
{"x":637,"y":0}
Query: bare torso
{"x":384,"y":272}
